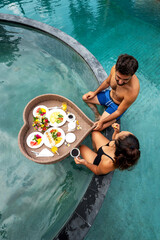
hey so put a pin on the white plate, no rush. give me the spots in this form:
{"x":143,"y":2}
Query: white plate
{"x":62,"y":113}
{"x":31,"y":136}
{"x":46,"y":141}
{"x":40,"y":106}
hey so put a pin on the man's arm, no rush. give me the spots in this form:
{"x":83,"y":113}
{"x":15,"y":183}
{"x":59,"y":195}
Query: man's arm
{"x":121,"y":109}
{"x":125,"y":104}
{"x":105,"y":84}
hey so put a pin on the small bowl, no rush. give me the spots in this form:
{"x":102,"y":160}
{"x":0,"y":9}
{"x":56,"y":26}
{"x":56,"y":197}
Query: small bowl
{"x":70,"y":137}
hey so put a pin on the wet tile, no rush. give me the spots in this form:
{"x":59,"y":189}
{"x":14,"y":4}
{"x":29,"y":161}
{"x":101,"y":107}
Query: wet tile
{"x":75,"y":229}
{"x":90,"y":205}
{"x":101,"y":183}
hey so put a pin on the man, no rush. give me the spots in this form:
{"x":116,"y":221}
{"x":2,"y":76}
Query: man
{"x":124,"y":91}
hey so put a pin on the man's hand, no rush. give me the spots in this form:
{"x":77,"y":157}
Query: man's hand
{"x":79,"y":160}
{"x":89,"y":95}
{"x":116,"y":127}
{"x":98,"y":126}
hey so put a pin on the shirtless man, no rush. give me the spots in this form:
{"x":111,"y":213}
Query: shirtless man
{"x":124,"y":91}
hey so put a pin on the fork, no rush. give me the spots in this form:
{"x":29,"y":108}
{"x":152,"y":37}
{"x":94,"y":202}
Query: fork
{"x":36,"y":153}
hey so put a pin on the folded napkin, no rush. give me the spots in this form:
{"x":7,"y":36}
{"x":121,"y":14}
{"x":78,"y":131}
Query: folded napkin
{"x":45,"y":153}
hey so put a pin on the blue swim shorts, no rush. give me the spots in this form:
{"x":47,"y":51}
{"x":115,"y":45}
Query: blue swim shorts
{"x":105,"y":100}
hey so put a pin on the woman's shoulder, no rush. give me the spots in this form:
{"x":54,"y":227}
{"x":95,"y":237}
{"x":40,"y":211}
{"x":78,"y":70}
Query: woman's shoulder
{"x":108,"y":157}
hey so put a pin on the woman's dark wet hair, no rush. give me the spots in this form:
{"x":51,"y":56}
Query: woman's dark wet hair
{"x":126,"y":64}
{"x":127,"y":152}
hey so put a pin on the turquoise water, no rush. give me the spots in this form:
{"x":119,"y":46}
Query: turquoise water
{"x":36,"y":200}
{"x":109,"y":28}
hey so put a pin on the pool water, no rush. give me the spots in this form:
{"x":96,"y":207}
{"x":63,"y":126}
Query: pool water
{"x":108,"y":28}
{"x":36,"y":200}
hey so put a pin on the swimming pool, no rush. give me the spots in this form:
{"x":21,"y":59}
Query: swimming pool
{"x":107,"y":29}
{"x":34,"y":63}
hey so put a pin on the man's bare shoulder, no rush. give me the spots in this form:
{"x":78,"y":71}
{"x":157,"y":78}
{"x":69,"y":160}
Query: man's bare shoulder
{"x":135,"y":84}
{"x":133,"y":89}
{"x":113,"y":69}
{"x":108,"y":79}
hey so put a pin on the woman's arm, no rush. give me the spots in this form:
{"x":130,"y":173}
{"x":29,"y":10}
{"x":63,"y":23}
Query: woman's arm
{"x":98,"y":170}
{"x":116,"y":128}
{"x":84,"y":162}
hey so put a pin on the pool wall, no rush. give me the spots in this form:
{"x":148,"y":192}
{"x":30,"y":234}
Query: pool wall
{"x":82,"y":218}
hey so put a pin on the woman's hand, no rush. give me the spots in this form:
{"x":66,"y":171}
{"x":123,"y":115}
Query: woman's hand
{"x":79,"y":160}
{"x":98,"y":126}
{"x":90,"y":95}
{"x":116,"y":127}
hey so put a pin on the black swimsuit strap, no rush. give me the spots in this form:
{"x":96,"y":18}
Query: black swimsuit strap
{"x":108,"y":156}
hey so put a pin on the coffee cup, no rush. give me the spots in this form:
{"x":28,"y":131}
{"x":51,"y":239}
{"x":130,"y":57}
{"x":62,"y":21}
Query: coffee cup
{"x":75,"y":153}
{"x":71,"y":117}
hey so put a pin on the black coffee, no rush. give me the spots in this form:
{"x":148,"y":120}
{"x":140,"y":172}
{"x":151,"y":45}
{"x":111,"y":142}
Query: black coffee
{"x":75,"y":152}
{"x":70,"y":116}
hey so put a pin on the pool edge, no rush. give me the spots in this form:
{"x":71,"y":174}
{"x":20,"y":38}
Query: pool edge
{"x":93,"y":63}
{"x":81,"y":220}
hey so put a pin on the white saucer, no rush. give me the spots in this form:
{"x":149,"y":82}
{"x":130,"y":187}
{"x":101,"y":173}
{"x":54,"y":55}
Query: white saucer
{"x":71,"y":119}
{"x":70,"y":137}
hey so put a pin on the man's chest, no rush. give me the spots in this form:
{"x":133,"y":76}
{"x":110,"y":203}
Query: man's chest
{"x":118,"y":92}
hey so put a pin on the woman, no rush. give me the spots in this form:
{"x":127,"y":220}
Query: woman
{"x":120,"y":153}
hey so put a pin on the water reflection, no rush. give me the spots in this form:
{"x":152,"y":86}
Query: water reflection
{"x":148,"y":11}
{"x":47,"y":6}
{"x":14,"y":6}
{"x":87,"y":18}
{"x":9,"y":46}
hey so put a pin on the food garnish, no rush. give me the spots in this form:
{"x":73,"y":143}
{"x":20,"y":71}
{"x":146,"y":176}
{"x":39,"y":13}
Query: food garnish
{"x":40,"y":123}
{"x":36,"y":140}
{"x":40,"y":112}
{"x":64,"y":106}
{"x":50,"y":139}
{"x":115,"y":125}
{"x":56,"y":135}
{"x":56,"y":117}
{"x":78,"y":125}
{"x":54,"y":150}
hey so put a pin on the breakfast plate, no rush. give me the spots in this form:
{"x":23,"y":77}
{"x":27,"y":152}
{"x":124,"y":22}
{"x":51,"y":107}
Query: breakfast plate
{"x":57,"y":117}
{"x":35,"y":140}
{"x":40,"y":111}
{"x":54,"y":137}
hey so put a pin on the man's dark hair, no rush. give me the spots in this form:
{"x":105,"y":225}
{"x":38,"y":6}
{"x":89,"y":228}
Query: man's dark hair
{"x":126,"y":64}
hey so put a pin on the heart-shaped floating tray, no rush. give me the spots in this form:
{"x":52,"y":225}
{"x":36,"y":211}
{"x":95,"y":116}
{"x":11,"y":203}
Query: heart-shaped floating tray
{"x":52,"y":100}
